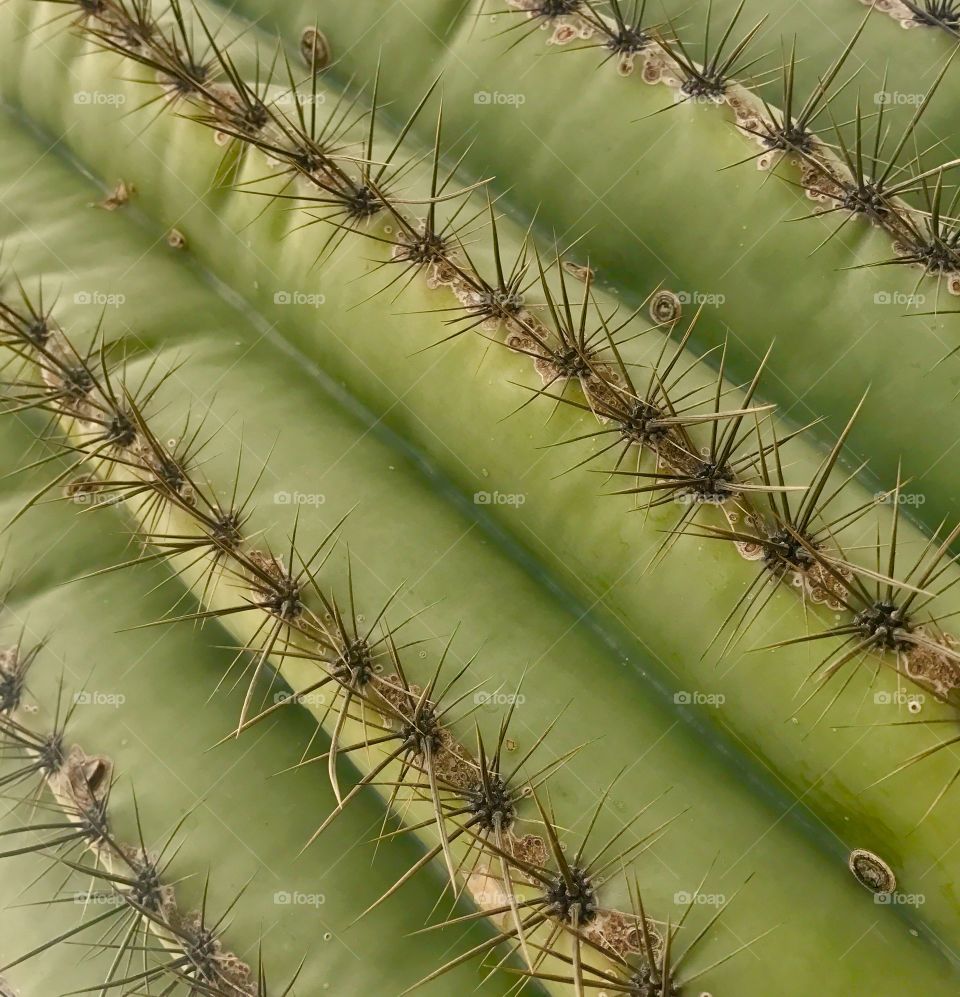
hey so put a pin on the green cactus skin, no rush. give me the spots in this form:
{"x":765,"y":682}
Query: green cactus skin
{"x":449,"y":401}
{"x":618,"y":215}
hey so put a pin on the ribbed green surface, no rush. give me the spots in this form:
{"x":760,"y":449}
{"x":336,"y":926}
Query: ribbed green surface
{"x":409,"y":527}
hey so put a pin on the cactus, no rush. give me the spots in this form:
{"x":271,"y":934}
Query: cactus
{"x":143,"y":819}
{"x":358,"y":330}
